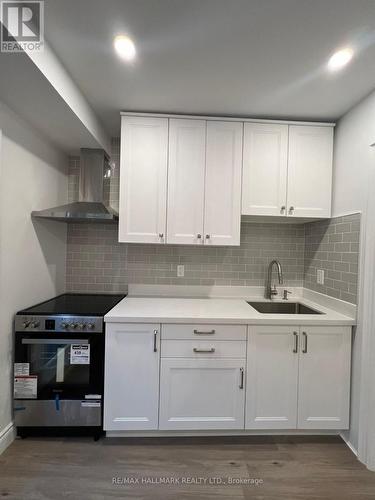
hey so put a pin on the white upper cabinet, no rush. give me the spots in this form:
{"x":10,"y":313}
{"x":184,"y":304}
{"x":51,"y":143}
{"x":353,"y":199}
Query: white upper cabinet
{"x":187,"y":181}
{"x":187,"y":159}
{"x":143,"y":179}
{"x":265,"y":167}
{"x":287,"y":170}
{"x":222,"y":210}
{"x":310,"y":171}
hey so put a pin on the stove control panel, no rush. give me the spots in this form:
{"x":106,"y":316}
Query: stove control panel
{"x":59,"y":324}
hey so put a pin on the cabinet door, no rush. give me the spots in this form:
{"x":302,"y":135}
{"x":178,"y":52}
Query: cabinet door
{"x":202,"y":394}
{"x":222,"y":212}
{"x":324,"y":378}
{"x":131,"y":376}
{"x":310,"y":171}
{"x":143,"y":179}
{"x":187,"y":159}
{"x":272,"y":376}
{"x":265,"y":160}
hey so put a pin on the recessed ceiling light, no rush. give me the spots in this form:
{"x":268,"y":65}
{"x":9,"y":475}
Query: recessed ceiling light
{"x":124,"y":47}
{"x":340,"y":59}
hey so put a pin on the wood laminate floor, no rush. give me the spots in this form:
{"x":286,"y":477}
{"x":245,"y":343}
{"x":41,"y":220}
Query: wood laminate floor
{"x":287,"y":468}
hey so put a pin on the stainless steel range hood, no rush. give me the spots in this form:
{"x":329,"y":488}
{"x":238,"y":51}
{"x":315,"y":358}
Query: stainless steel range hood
{"x":93,"y":204}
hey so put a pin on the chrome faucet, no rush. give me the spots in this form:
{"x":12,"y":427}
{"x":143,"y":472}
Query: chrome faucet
{"x":271,"y":290}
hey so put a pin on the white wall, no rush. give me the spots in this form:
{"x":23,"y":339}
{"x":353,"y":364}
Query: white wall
{"x":32,"y":254}
{"x":354,"y":162}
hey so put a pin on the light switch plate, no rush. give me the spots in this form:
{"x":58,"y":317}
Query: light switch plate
{"x":320,"y":276}
{"x":180,"y":271}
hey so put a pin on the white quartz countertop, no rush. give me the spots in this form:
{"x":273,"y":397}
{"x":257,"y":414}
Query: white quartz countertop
{"x":215,"y":310}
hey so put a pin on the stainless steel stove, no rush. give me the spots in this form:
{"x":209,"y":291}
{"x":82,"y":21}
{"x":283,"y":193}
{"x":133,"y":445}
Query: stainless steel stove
{"x":59,"y":363}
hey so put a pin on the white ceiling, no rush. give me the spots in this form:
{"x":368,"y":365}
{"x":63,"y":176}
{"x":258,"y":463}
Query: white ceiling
{"x":258,"y":58}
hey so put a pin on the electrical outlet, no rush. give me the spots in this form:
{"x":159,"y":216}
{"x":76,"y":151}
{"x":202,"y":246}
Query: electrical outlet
{"x":320,"y":276}
{"x":180,"y":271}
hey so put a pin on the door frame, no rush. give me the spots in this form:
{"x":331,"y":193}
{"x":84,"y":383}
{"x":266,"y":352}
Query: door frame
{"x":365,"y":331}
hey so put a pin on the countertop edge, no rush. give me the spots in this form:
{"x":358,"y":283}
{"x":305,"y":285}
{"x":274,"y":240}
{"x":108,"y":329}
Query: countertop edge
{"x":234,"y":321}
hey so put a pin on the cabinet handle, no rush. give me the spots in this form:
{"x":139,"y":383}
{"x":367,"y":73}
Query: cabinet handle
{"x":208,"y":332}
{"x":282,"y":210}
{"x":199,"y":236}
{"x":155,"y":340}
{"x":295,"y":350}
{"x":304,"y":350}
{"x":196,"y":349}
{"x":241,"y":378}
{"x":291,"y":210}
{"x":161,"y":235}
{"x":208,"y":236}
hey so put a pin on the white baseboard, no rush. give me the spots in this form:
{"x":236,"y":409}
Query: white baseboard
{"x":221,"y":433}
{"x":7,"y":436}
{"x":349,"y":445}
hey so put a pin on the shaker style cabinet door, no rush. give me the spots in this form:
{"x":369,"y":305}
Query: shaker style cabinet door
{"x":324,"y":377}
{"x":272,"y":377}
{"x":222,"y":211}
{"x":202,"y":394}
{"x":143,"y":179}
{"x":186,"y":171}
{"x":265,"y":166}
{"x":132,"y":355}
{"x":310,"y":171}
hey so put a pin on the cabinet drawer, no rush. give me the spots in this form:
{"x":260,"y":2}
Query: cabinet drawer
{"x":203,"y":332}
{"x":203,"y":349}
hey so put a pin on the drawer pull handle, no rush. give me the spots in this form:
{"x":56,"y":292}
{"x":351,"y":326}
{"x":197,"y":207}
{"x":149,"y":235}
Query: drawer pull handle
{"x":304,"y":350}
{"x":155,"y":340}
{"x":241,"y":378}
{"x":208,"y":332}
{"x":295,"y":350}
{"x":195,"y":349}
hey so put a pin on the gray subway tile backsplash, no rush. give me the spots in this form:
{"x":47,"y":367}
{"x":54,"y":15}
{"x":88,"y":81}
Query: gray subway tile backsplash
{"x":333,"y":245}
{"x":97,"y":262}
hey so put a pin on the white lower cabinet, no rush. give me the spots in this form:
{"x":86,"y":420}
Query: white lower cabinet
{"x":196,"y":377}
{"x":298,"y":377}
{"x":202,"y":394}
{"x":272,"y":377}
{"x":131,"y":390}
{"x":324,"y":378}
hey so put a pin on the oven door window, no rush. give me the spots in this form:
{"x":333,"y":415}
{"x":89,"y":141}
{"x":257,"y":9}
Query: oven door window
{"x":63,"y":366}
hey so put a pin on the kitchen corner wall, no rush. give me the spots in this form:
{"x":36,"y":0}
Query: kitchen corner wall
{"x":97,"y":262}
{"x":33,"y":176}
{"x":333,"y":245}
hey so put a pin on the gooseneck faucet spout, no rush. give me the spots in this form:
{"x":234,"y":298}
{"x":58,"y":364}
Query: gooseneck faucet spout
{"x":271,"y":290}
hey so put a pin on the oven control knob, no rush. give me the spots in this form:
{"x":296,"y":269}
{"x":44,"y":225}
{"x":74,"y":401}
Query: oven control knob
{"x":90,"y":326}
{"x":25,"y":324}
{"x":34,"y":324}
{"x":81,"y":326}
{"x":73,"y":325}
{"x":64,"y":325}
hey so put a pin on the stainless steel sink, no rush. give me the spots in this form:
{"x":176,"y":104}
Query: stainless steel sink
{"x":282,"y":308}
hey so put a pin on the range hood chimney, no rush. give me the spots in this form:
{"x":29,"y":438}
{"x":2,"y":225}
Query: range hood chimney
{"x":93,"y":204}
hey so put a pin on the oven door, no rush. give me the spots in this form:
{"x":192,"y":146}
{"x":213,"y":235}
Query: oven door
{"x":65,"y":366}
